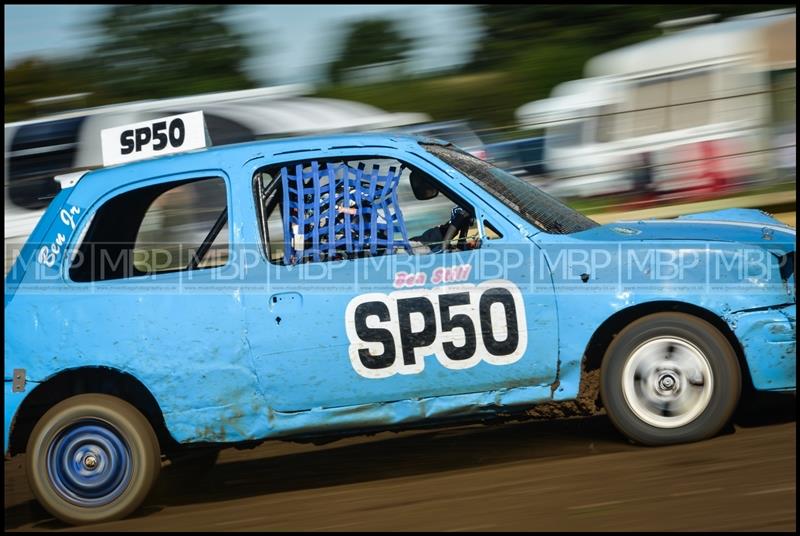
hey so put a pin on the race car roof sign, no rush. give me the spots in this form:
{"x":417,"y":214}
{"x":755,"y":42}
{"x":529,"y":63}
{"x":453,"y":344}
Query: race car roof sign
{"x":157,"y":137}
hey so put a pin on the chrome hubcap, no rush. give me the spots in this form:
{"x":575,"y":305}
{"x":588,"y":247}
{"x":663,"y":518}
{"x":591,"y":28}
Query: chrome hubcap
{"x":667,"y":382}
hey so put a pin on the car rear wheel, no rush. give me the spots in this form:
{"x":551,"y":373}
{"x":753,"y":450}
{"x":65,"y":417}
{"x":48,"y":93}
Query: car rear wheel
{"x":92,"y":458}
{"x":670,"y":378}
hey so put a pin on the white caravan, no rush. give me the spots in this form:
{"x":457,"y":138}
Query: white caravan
{"x":710,"y":107}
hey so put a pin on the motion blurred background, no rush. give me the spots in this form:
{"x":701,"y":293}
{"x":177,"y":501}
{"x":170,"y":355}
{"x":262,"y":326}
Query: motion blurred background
{"x":623,"y":111}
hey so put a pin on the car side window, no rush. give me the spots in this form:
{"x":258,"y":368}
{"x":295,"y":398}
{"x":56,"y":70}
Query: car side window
{"x":331,"y":209}
{"x":162,"y":228}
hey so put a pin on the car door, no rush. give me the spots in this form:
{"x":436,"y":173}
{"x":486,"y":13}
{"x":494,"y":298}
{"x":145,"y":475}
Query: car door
{"x":402,"y":326}
{"x":136,"y":306}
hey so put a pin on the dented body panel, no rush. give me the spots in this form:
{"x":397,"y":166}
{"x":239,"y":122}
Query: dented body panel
{"x":769,"y":338}
{"x":253,"y":350}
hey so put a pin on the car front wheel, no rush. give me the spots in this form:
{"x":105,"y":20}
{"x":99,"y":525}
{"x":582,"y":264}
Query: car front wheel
{"x":92,"y":458}
{"x":670,"y":378}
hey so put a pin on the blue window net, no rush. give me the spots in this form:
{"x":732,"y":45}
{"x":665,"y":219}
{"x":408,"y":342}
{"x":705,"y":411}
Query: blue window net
{"x":339,"y":211}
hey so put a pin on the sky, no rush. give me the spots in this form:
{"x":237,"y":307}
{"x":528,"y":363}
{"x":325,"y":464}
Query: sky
{"x":290,"y":43}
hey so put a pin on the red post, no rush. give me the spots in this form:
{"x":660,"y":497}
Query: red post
{"x":713,"y":175}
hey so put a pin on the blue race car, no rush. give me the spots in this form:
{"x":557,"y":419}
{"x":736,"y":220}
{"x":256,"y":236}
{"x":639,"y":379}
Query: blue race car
{"x":316,"y":287}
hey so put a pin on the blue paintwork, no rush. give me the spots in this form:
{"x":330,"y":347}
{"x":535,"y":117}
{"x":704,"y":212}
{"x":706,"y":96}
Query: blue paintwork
{"x":83,"y":485}
{"x":28,"y":251}
{"x":733,"y":214}
{"x":266,"y":353}
{"x":771,"y":335}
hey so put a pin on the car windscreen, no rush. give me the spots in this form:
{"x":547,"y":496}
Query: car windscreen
{"x":538,"y":208}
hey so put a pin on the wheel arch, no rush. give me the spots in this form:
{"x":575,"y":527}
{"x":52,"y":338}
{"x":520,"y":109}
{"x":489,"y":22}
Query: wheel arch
{"x":605,"y":333}
{"x":83,"y":380}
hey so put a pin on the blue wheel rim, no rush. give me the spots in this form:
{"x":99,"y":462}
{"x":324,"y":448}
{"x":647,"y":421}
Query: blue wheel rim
{"x":89,"y":463}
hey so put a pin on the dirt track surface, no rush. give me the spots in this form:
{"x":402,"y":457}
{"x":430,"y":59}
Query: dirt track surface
{"x":575,"y":474}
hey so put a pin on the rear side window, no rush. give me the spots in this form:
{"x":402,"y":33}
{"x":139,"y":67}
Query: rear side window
{"x":163,"y":228}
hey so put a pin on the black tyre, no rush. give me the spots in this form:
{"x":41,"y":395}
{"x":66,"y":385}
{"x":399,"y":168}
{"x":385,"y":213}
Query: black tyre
{"x":92,"y":458}
{"x":670,"y":378}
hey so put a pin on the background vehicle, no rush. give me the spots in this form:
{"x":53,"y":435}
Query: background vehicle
{"x":702,"y":109}
{"x":459,"y":133}
{"x":523,"y":158}
{"x":38,"y":150}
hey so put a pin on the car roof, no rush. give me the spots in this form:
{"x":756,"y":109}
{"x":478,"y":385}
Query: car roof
{"x":213,"y":157}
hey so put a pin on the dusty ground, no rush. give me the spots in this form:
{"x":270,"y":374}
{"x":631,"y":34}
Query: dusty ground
{"x":575,"y":474}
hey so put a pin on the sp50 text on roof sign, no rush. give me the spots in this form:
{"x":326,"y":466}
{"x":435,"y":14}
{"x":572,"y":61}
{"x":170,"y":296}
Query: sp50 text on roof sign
{"x":157,"y":137}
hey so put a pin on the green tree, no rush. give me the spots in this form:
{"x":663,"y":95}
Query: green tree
{"x":36,"y":78}
{"x":511,"y":31}
{"x":157,"y":50}
{"x":142,"y":52}
{"x":369,"y":42}
{"x":26,"y":80}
